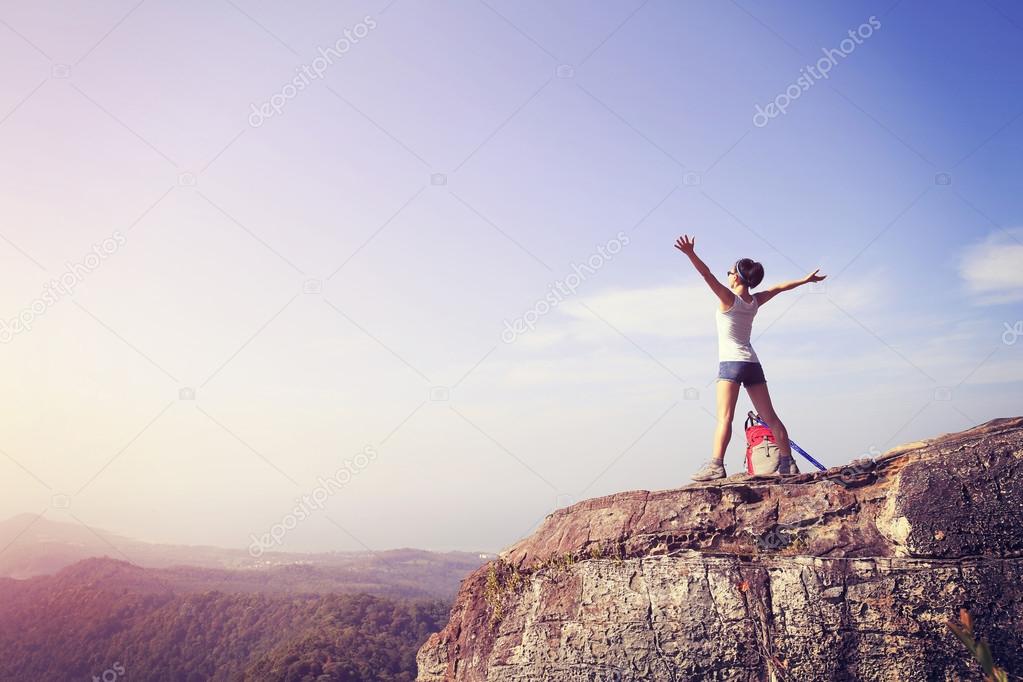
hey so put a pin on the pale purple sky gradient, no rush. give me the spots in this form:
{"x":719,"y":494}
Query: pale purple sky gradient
{"x":134,"y":118}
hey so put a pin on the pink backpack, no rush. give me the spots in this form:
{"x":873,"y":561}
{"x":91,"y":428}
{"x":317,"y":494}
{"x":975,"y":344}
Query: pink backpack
{"x":761,"y":449}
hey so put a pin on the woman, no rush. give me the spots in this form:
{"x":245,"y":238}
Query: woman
{"x":739,"y":365}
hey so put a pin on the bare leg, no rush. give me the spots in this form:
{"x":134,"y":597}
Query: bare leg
{"x":728,"y":394}
{"x":761,"y":398}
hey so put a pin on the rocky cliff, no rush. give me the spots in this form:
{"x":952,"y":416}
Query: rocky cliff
{"x":848,"y":574}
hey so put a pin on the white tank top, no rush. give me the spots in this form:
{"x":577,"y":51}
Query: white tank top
{"x":735,"y":326}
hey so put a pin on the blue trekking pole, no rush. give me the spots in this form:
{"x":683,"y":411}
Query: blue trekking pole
{"x":795,"y":446}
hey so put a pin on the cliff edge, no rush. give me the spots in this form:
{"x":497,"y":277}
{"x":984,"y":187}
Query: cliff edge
{"x":847,"y":574}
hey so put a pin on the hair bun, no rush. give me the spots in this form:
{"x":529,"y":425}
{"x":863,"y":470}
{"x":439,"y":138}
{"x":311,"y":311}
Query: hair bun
{"x":750,"y":272}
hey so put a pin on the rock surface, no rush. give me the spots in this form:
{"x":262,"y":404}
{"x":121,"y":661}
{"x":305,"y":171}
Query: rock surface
{"x":848,"y":574}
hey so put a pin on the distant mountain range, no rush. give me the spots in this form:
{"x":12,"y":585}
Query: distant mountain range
{"x":32,"y":545}
{"x":83,"y":603}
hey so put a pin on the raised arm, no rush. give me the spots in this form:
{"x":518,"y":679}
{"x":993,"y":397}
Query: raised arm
{"x":687,"y":245}
{"x":766,"y":295}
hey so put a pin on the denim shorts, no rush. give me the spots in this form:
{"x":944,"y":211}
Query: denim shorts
{"x":744,"y":373}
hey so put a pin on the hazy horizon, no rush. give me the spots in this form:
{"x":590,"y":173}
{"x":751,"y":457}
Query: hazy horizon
{"x":300,"y":240}
{"x":29,"y":521}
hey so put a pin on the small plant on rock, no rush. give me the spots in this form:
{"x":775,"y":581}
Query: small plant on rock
{"x":492,"y":594}
{"x":502,"y":578}
{"x":979,"y":648}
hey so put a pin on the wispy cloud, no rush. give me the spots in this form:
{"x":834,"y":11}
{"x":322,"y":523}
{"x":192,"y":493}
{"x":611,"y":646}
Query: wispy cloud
{"x":686,"y":311}
{"x":668,"y":311}
{"x":991,"y":269}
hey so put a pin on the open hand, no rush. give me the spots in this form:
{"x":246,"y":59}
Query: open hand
{"x":815,"y":276}
{"x":686,"y":245}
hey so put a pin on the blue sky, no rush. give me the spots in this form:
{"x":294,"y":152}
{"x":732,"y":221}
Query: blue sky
{"x":338,"y":276}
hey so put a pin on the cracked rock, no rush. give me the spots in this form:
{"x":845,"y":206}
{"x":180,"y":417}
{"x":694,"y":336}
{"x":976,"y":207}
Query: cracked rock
{"x":687,"y":584}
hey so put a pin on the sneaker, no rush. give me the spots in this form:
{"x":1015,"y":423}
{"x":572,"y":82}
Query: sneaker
{"x":787,"y":466}
{"x":711,"y":471}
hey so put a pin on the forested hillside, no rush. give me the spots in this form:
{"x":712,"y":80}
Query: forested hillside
{"x":114,"y":620}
